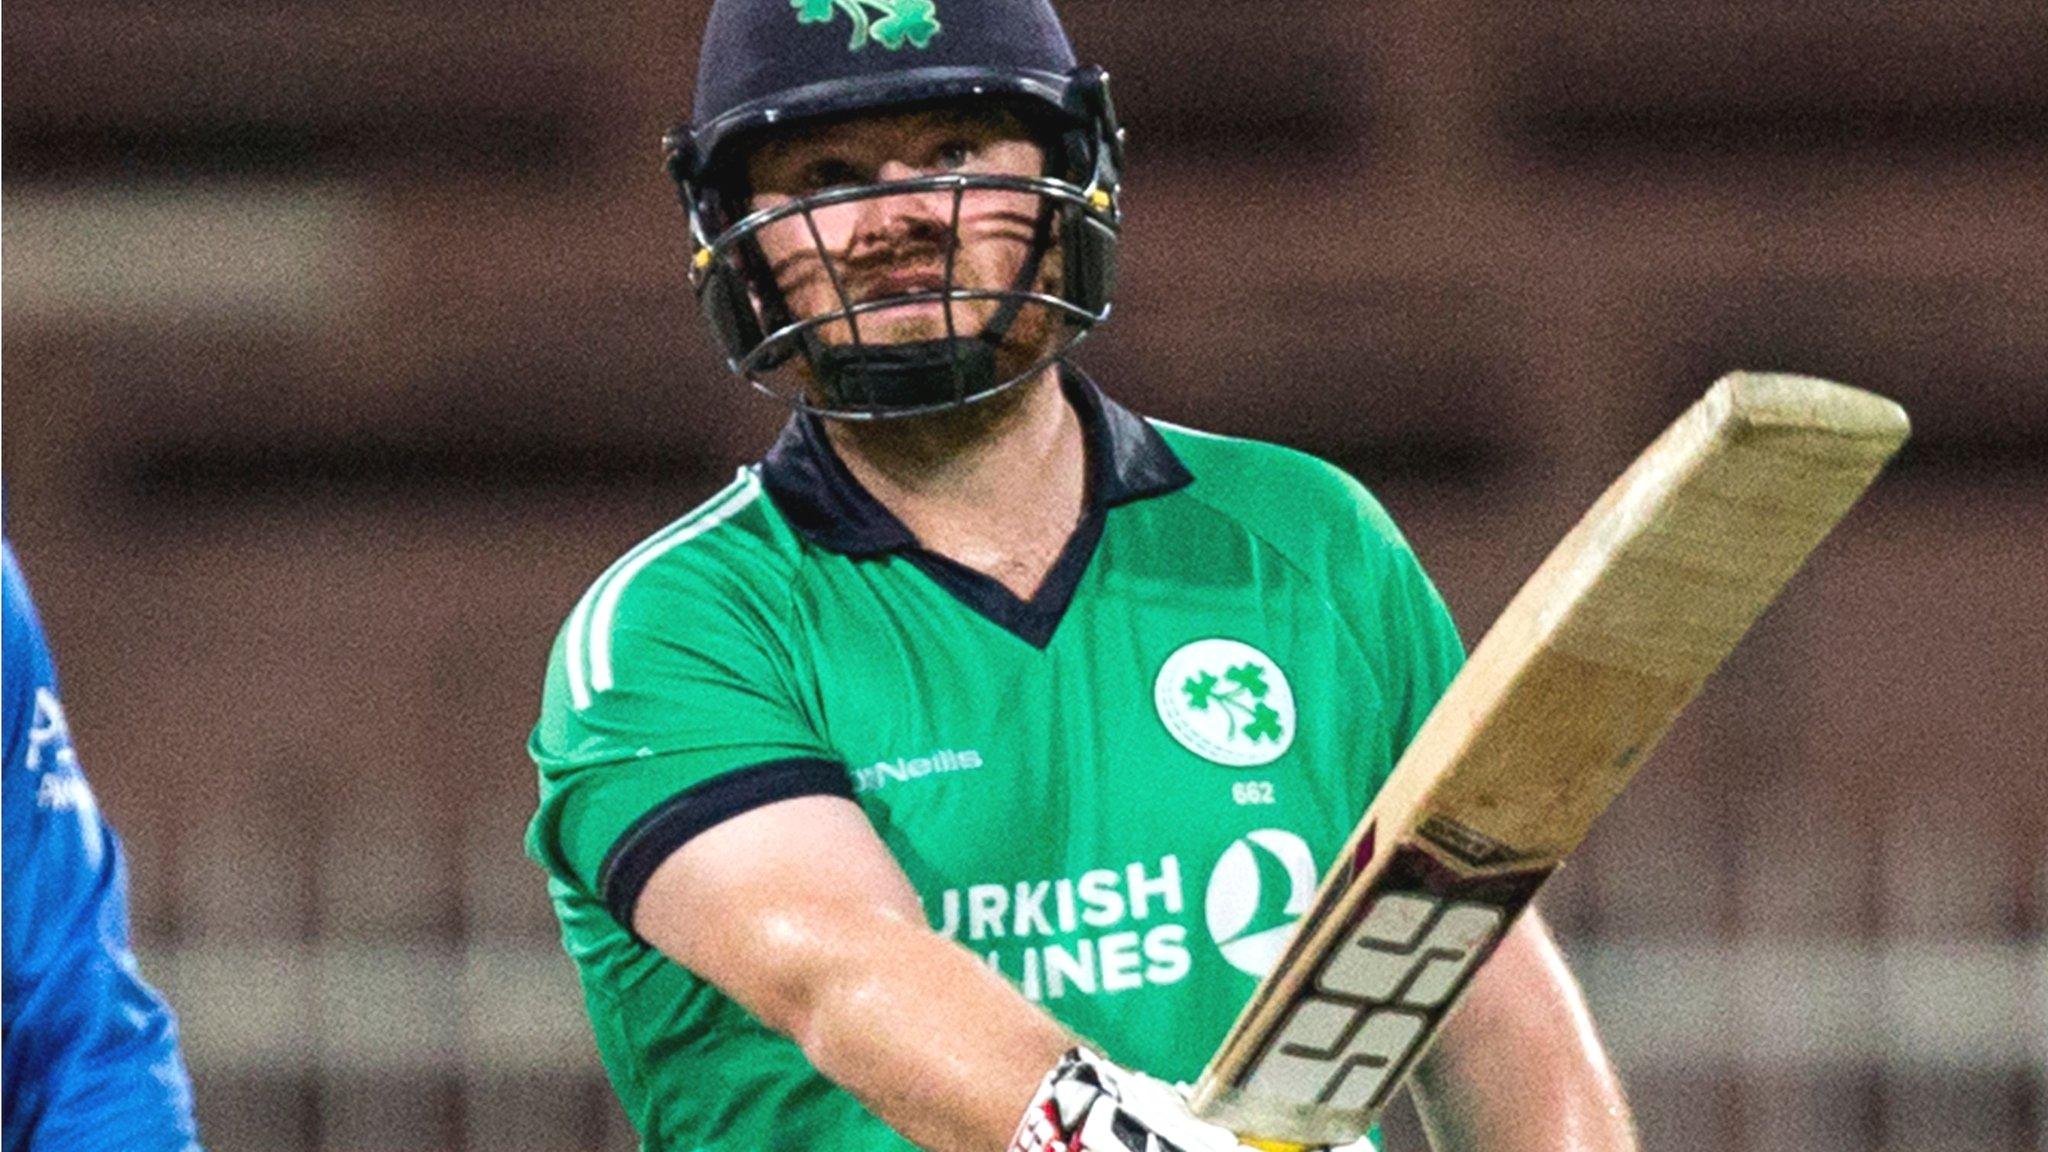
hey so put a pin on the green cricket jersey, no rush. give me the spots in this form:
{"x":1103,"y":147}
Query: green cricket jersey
{"x":1120,"y":793}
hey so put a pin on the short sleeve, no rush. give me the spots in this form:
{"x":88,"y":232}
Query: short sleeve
{"x":1401,"y":609}
{"x":669,"y":708}
{"x":1431,"y":654}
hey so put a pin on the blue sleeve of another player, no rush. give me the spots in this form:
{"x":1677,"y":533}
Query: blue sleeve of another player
{"x":91,"y":1052}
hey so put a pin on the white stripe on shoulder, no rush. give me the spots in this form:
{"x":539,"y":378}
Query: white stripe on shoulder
{"x":588,"y":649}
{"x":576,"y":654}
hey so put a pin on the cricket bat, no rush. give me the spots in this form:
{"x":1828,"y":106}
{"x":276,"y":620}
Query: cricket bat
{"x":1558,"y":706}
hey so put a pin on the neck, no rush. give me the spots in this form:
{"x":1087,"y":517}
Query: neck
{"x":997,"y":486}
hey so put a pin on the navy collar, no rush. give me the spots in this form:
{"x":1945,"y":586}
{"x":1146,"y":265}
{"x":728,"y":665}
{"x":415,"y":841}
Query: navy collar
{"x":1127,"y":460}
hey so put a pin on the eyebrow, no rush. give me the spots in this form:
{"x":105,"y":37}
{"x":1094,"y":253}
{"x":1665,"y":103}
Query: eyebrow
{"x":833,"y":147}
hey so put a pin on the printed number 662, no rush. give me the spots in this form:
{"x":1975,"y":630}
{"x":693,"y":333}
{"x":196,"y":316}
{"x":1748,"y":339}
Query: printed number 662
{"x":1252,"y":792}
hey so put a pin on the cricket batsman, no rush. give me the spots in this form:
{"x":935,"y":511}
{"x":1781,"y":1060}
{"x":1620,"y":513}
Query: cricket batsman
{"x":951,"y":777}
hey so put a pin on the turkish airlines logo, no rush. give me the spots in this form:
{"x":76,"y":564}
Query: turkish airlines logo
{"x":1259,"y":891}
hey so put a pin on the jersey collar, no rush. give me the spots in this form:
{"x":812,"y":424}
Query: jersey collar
{"x":1127,"y":460}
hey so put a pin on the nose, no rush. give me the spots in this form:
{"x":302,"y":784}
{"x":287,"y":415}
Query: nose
{"x":894,"y":170}
{"x":899,"y":213}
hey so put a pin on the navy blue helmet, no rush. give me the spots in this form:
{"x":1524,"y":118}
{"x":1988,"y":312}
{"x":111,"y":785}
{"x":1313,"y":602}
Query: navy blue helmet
{"x":769,"y":64}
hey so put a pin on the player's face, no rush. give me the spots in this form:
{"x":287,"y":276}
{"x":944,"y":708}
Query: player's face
{"x":898,"y":244}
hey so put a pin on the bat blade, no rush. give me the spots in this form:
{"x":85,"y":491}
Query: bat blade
{"x":1557,"y":708}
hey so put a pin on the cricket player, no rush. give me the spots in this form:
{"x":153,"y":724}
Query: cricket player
{"x":952,"y":776}
{"x":91,"y":1050}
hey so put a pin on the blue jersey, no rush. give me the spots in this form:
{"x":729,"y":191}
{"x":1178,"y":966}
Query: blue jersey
{"x":91,"y":1051}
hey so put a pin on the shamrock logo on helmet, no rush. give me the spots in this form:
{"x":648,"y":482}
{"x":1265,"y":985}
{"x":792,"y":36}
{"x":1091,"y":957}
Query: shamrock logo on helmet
{"x":912,"y":22}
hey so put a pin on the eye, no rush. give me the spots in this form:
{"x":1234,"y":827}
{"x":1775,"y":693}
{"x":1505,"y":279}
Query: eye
{"x":954,"y":154}
{"x":830,"y":173}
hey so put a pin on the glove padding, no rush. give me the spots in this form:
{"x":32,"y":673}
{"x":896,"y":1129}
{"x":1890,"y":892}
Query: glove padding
{"x":1087,"y":1104}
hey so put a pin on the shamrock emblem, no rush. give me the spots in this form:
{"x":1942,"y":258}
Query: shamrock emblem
{"x":912,"y":22}
{"x":1240,"y":693}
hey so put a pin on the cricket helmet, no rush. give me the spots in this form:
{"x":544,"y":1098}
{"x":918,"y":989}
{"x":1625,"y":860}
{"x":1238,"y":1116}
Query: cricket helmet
{"x":768,"y":64}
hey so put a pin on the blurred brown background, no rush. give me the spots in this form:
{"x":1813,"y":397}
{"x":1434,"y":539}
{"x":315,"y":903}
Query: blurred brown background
{"x":346,"y":342}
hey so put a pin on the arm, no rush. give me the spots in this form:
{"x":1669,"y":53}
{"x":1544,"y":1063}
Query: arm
{"x":91,"y":1050}
{"x":1519,"y":1068}
{"x":685,"y":786}
{"x":798,"y":911}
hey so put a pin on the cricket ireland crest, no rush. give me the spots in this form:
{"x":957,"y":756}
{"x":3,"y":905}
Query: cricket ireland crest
{"x":1226,"y":701}
{"x":912,"y":22}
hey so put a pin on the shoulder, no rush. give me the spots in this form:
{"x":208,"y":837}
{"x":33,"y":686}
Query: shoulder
{"x":41,"y":769}
{"x":27,"y":655}
{"x":24,"y":631}
{"x":726,"y":564}
{"x":1288,"y":497}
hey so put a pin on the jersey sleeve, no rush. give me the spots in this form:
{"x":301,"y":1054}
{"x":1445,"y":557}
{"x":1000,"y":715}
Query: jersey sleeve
{"x":1433,"y":653}
{"x":91,"y":1050}
{"x":1397,"y":605}
{"x":669,"y":708}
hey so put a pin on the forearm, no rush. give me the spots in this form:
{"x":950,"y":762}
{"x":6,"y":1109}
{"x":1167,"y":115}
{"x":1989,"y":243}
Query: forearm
{"x":1520,"y":1068}
{"x":912,"y":1024}
{"x":929,"y":1039}
{"x":918,"y":1029}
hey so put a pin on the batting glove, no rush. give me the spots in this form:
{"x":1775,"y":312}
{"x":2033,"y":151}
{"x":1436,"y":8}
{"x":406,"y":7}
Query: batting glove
{"x":1087,"y":1104}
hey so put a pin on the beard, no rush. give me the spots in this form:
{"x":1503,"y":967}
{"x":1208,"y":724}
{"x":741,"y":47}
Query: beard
{"x":1033,"y":332}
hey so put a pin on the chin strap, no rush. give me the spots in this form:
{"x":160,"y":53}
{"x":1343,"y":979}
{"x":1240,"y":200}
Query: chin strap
{"x":912,"y":374}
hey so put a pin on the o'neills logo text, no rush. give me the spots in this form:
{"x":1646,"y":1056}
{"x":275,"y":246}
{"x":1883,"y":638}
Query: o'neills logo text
{"x":882,"y":773}
{"x":1100,"y":932}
